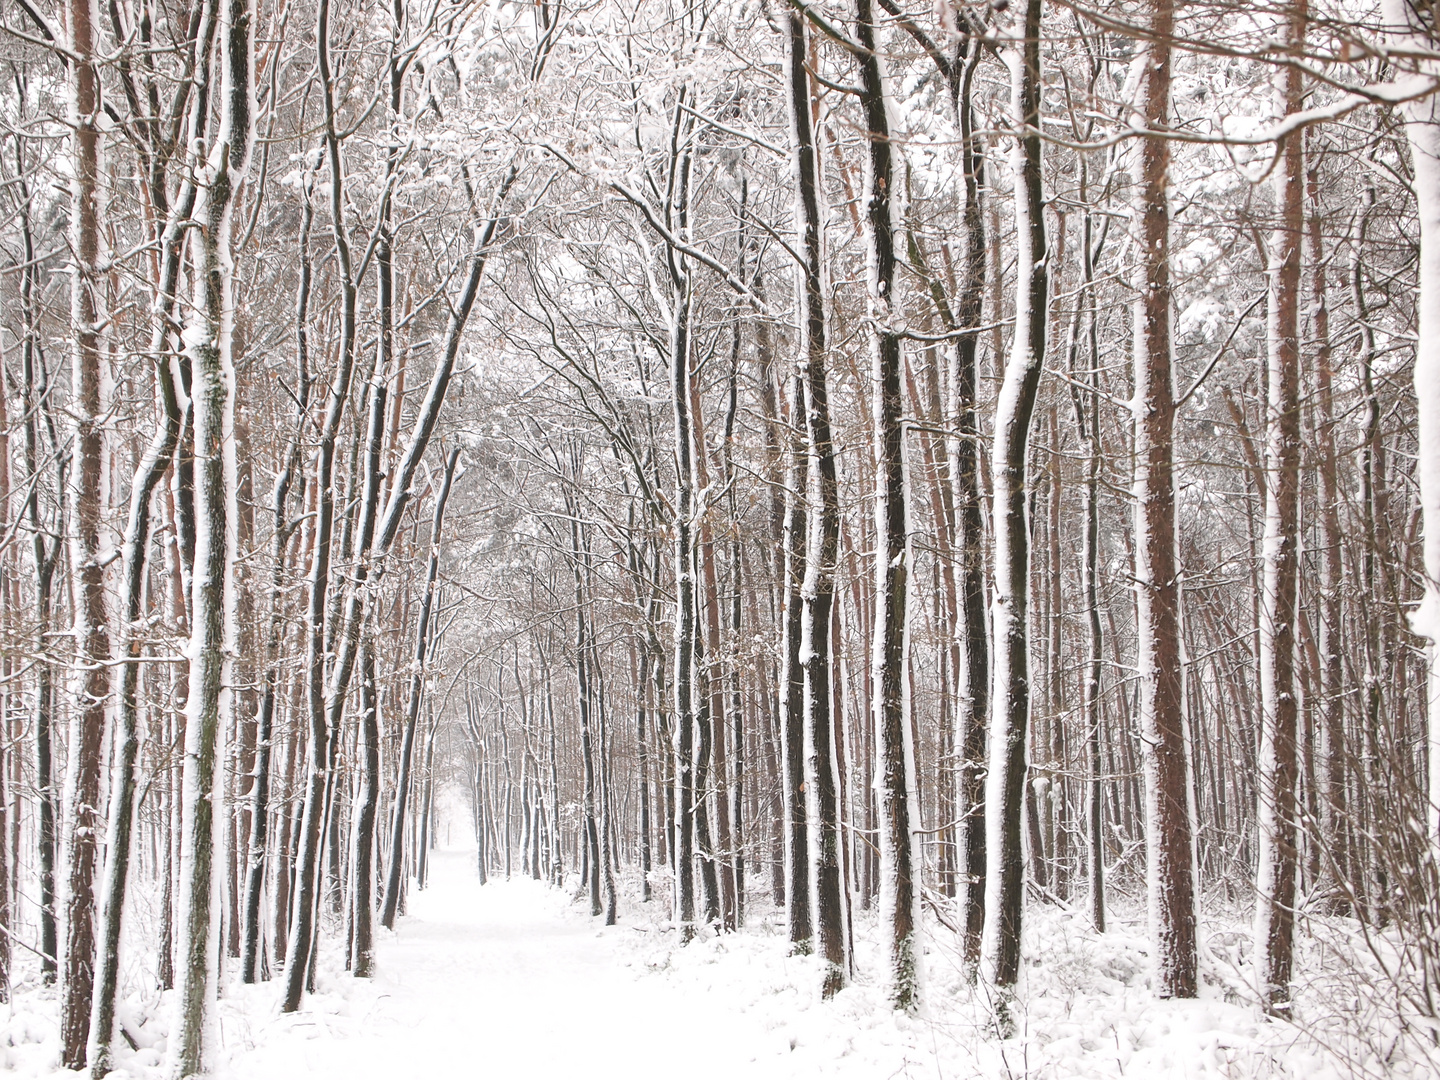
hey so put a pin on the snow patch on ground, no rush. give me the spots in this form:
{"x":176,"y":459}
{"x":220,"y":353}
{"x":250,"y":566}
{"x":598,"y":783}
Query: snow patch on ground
{"x":517,"y":980}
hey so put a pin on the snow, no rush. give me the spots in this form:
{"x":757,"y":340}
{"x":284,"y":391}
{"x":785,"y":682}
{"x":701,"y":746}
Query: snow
{"x":514,"y":980}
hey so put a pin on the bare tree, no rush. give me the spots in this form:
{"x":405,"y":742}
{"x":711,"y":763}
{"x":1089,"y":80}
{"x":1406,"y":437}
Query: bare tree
{"x":1010,"y":703}
{"x":1169,"y":845}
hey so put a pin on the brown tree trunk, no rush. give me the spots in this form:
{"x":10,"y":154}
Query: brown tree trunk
{"x":822,"y":528}
{"x":1333,"y":689}
{"x":82,"y":792}
{"x":1276,"y":869}
{"x":1169,"y":847}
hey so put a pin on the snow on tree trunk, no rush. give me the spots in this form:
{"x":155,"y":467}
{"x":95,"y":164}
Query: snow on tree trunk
{"x":899,"y":862}
{"x":1014,"y":410}
{"x":811,"y":318}
{"x":210,"y":702}
{"x":92,"y":637}
{"x":972,"y":694}
{"x":1276,"y":811}
{"x":148,"y":475}
{"x":403,"y":783}
{"x":1170,"y":869}
{"x":685,"y":628}
{"x":301,"y":934}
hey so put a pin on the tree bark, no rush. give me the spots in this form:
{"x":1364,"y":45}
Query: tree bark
{"x":403,"y":783}
{"x":1276,"y":866}
{"x":148,"y":475}
{"x":804,"y":165}
{"x":972,"y":697}
{"x":1169,"y":846}
{"x":92,"y":638}
{"x":1014,"y":410}
{"x":899,"y":862}
{"x":210,"y":702}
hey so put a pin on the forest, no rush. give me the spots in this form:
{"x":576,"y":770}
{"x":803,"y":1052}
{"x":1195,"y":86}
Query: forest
{"x":873,"y":538}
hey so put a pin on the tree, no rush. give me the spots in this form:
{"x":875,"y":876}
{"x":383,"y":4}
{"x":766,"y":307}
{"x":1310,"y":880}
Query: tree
{"x":1158,"y":590}
{"x":900,"y":896}
{"x":1014,"y":410}
{"x":810,"y":294}
{"x":210,"y":702}
{"x":87,"y":731}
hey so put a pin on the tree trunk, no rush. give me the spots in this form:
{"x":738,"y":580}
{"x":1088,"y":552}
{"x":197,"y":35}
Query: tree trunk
{"x":899,"y":863}
{"x":210,"y":702}
{"x":1014,"y":410}
{"x":824,"y":887}
{"x":685,"y":622}
{"x":1333,"y":688}
{"x":1169,"y":847}
{"x":302,"y":929}
{"x":396,"y":865}
{"x":972,"y":697}
{"x":362,"y":860}
{"x":92,"y":639}
{"x":1277,"y":835}
{"x":148,"y":475}
{"x":35,"y":399}
{"x":1087,"y":421}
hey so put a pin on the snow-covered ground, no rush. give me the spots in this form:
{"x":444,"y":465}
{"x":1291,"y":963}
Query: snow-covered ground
{"x":514,"y":980}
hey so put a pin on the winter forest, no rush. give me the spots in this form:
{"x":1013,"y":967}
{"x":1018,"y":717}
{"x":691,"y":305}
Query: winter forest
{"x":786,"y":538}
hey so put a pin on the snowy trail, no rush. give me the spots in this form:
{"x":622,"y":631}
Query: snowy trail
{"x":514,"y":982}
{"x":505,"y":981}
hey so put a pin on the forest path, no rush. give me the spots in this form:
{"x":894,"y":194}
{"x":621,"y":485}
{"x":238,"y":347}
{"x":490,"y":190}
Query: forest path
{"x":507,"y":981}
